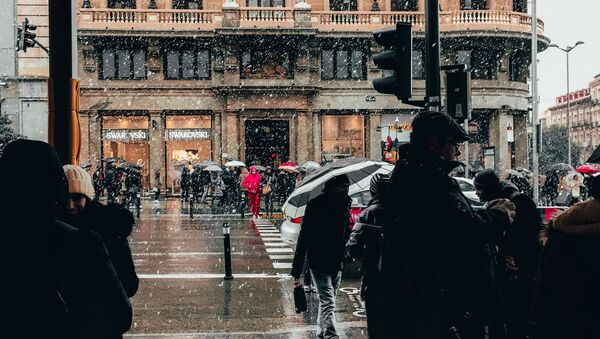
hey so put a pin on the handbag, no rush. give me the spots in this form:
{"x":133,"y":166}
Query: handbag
{"x":563,"y":198}
{"x":266,"y":189}
{"x":299,"y":299}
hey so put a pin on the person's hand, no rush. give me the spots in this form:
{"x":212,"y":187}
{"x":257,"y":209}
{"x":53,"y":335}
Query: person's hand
{"x":504,"y":205}
{"x":297,"y":282}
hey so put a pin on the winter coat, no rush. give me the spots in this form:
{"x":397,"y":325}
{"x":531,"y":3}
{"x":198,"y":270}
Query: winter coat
{"x":58,"y":281}
{"x":366,"y":239}
{"x":252,"y":182}
{"x":217,"y":187}
{"x":438,"y":250}
{"x":323,"y":235}
{"x":567,"y":294}
{"x":114,"y":224}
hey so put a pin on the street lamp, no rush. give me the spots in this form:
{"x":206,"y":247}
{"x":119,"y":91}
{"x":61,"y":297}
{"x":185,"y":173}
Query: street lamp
{"x":567,"y":50}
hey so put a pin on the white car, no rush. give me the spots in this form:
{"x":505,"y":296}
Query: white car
{"x":290,"y":228}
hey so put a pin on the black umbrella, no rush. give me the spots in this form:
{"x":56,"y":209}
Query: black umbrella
{"x":595,"y":157}
{"x":330,"y":167}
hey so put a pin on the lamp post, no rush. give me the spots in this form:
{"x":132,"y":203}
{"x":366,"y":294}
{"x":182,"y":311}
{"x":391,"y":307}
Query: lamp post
{"x":567,"y":50}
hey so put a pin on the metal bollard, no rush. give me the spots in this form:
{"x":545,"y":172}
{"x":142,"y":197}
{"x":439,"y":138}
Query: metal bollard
{"x":227,"y":246}
{"x":191,"y":197}
{"x":242,"y":205}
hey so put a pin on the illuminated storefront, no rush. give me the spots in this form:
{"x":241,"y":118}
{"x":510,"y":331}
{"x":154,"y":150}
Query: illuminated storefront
{"x":343,"y":136}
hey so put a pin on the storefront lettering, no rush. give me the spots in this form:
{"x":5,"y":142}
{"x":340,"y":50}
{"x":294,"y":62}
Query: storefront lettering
{"x":188,"y":134}
{"x":124,"y":135}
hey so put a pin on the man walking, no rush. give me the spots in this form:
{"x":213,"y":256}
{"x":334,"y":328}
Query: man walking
{"x":438,"y":255}
{"x":518,"y":251}
{"x":323,"y":237}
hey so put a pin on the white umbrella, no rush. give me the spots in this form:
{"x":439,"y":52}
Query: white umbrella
{"x":360,"y":175}
{"x":213,"y":168}
{"x":235,"y":163}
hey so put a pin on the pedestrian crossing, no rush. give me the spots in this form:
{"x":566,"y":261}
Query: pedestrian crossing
{"x":280,"y":253}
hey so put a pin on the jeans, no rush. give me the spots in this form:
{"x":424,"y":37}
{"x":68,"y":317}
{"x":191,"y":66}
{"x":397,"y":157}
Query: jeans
{"x":327,"y":287}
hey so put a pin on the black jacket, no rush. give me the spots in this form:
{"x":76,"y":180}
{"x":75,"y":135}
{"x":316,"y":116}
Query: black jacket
{"x":440,"y":248}
{"x":366,"y":239}
{"x":567,"y":295}
{"x":323,"y":235}
{"x":114,"y":224}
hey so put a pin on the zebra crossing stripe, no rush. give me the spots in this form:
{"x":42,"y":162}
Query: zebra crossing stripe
{"x":282,"y":265}
{"x":281,"y":256}
{"x":280,"y":250}
{"x":276,"y":244}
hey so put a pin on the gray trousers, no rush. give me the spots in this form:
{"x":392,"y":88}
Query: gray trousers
{"x":327,"y":286}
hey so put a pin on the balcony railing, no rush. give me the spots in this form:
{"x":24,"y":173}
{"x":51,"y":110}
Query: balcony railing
{"x":257,"y":17}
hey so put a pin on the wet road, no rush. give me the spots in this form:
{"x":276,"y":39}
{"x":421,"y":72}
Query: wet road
{"x":183,"y":294}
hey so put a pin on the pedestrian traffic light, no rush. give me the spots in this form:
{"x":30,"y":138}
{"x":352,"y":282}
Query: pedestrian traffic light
{"x":458,"y":94}
{"x":26,"y":38}
{"x":397,"y":58}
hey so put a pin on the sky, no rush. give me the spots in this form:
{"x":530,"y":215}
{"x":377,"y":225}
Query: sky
{"x":567,"y":22}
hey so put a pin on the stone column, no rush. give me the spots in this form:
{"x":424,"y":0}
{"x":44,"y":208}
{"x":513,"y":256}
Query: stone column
{"x":139,"y":4}
{"x":302,"y":127}
{"x":230,"y":136}
{"x":157,"y":147}
{"x":217,"y":145}
{"x":84,"y":130}
{"x":94,"y":130}
{"x":373,"y":137}
{"x":316,"y":127}
{"x":521,"y":141}
{"x":499,"y":139}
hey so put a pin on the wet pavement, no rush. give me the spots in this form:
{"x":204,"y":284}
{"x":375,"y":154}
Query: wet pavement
{"x":183,"y":294}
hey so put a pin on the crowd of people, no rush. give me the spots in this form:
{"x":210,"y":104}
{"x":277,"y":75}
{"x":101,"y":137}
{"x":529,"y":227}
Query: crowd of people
{"x":68,"y":270}
{"x":444,"y":270}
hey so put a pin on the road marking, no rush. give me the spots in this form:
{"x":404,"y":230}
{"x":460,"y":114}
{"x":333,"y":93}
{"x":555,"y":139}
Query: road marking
{"x":268,"y":231}
{"x":280,"y":250}
{"x":282,"y":265}
{"x":276,"y":244}
{"x":280,"y":256}
{"x":183,"y":254}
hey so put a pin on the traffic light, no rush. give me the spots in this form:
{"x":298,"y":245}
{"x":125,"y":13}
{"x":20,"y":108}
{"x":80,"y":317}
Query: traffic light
{"x":458,"y":94}
{"x":25,"y":37}
{"x":397,"y":58}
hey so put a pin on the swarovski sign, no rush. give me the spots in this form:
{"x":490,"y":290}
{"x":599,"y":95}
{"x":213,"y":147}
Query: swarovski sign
{"x":188,"y":134}
{"x":126,"y":134}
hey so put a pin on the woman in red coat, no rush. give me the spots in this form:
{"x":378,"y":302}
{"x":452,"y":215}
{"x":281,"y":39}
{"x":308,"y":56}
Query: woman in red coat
{"x":252,"y":184}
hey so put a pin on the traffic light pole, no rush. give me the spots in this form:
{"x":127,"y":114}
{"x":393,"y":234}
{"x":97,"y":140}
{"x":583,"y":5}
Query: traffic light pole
{"x":63,"y":88}
{"x":432,"y":55}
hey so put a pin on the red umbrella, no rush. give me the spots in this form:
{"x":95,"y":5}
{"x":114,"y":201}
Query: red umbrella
{"x":587,"y":169}
{"x":288,"y":164}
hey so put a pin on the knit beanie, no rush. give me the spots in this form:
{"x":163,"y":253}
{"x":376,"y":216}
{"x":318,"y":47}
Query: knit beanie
{"x":486,"y":179}
{"x":79,"y":181}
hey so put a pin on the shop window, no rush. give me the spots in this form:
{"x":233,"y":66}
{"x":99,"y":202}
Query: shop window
{"x":518,"y":69}
{"x":343,"y":65}
{"x":123,"y":64}
{"x":473,"y":4}
{"x":121,"y":4}
{"x":266,"y":64}
{"x":343,"y":5}
{"x":405,"y":5}
{"x":520,"y":6}
{"x":187,"y":4}
{"x":418,"y":65}
{"x":189,"y":64}
{"x":343,"y":135}
{"x":265,"y":3}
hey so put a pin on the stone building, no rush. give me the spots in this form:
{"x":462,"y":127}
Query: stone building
{"x":266,"y":81}
{"x":584,"y":111}
{"x":23,"y":76}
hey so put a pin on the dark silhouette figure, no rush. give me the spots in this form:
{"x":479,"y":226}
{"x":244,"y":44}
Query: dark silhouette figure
{"x":58,"y":281}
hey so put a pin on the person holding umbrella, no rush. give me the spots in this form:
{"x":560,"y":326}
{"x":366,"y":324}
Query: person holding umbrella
{"x":252,"y":184}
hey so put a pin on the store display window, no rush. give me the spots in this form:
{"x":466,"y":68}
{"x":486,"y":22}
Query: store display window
{"x":343,"y":135}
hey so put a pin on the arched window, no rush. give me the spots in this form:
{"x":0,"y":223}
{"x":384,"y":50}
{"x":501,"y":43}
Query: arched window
{"x":473,"y":4}
{"x":121,"y":3}
{"x":520,"y":6}
{"x":405,"y":5}
{"x":343,"y":5}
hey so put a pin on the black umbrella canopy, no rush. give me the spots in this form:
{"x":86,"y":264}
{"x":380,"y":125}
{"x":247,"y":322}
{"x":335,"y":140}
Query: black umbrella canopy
{"x":595,"y":157}
{"x":561,"y":166}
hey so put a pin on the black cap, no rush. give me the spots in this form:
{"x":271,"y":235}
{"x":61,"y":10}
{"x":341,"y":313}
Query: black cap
{"x":438,"y":124}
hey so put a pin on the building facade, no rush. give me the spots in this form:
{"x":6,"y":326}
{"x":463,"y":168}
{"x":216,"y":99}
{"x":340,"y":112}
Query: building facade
{"x":266,"y":81}
{"x":584,"y":111}
{"x":23,"y":76}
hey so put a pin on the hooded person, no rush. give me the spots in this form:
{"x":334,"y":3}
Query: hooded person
{"x":112,"y":222}
{"x":58,"y":281}
{"x":518,"y":250}
{"x":252,"y":185}
{"x":366,"y":244}
{"x":567,"y":294}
